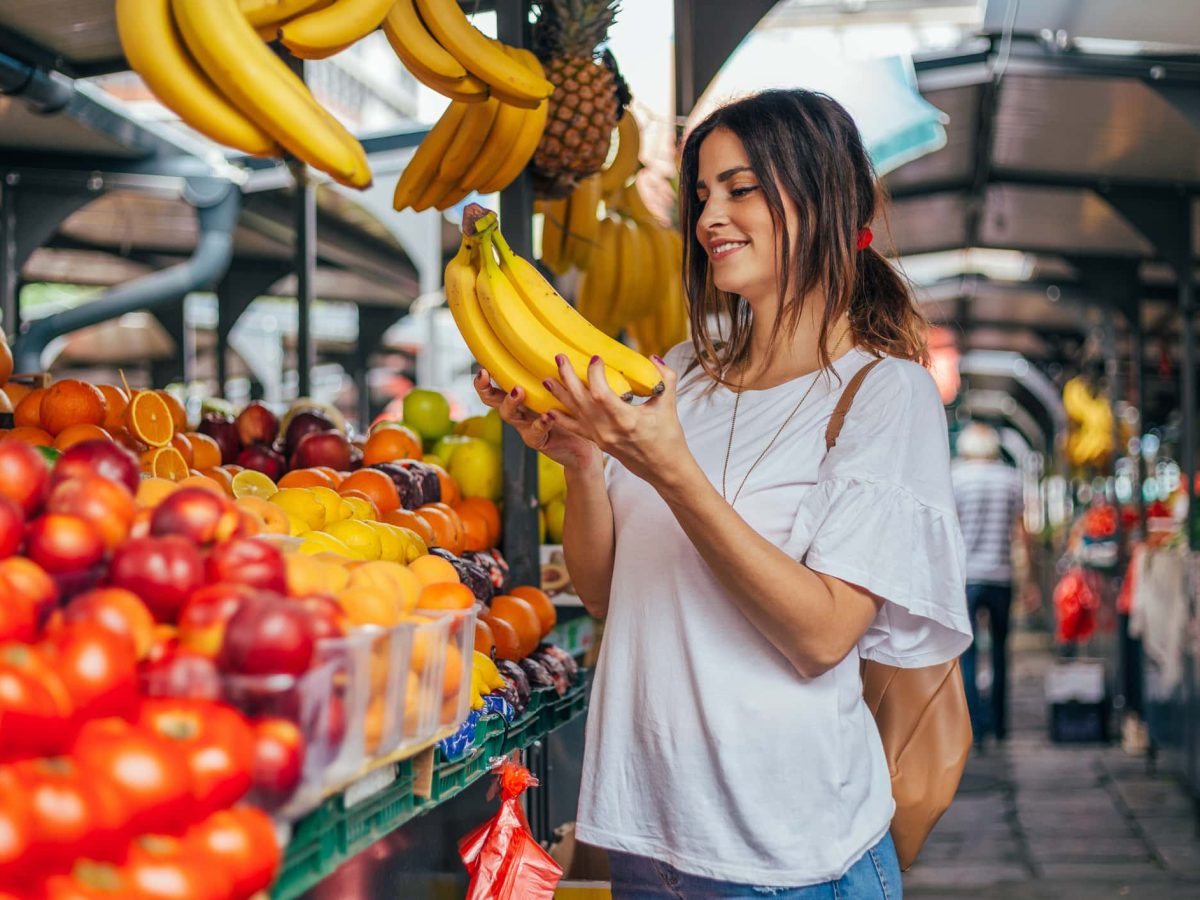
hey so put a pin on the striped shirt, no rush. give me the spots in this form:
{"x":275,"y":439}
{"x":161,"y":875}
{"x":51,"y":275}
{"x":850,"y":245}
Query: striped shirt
{"x":988,"y":497}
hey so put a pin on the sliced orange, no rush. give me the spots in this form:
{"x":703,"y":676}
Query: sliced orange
{"x":206,"y":452}
{"x":180,"y":442}
{"x":167,"y":462}
{"x":149,"y":420}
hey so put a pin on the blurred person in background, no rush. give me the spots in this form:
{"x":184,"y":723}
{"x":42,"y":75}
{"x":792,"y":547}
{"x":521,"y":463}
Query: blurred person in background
{"x":987,"y":492}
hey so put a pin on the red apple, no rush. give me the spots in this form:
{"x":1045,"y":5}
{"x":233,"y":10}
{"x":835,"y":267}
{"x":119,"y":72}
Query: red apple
{"x":203,"y":618}
{"x":78,"y":581}
{"x":163,"y":571}
{"x":328,"y":617}
{"x":120,"y":611}
{"x":302,"y":424}
{"x":24,"y":476}
{"x":100,"y":458}
{"x":181,"y":673}
{"x":12,"y":527}
{"x":196,"y":514}
{"x":322,"y":448}
{"x":268,"y":636}
{"x":105,"y":504}
{"x":356,"y":458}
{"x":278,"y":762}
{"x":222,"y":430}
{"x":63,"y":543}
{"x":256,"y":425}
{"x":263,"y":459}
{"x":248,"y":561}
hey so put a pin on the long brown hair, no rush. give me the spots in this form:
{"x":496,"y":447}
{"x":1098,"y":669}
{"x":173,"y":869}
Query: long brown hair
{"x":807,"y":145}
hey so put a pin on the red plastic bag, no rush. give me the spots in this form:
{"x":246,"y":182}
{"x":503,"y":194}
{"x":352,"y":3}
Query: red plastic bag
{"x":501,"y":856}
{"x":1075,"y":605}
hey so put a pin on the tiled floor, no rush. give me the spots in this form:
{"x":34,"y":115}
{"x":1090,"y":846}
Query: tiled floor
{"x":1069,"y":822}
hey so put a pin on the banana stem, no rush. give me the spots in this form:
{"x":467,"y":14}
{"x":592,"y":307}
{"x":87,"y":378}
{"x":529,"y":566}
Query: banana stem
{"x":473,"y":215}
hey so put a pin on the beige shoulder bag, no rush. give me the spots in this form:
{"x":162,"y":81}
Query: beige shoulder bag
{"x":921,"y":714}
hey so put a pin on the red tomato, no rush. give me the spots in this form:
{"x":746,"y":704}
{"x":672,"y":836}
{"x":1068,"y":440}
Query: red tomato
{"x":15,"y":825}
{"x":164,"y":868}
{"x":90,"y":881}
{"x":148,"y":774}
{"x":216,"y":741}
{"x":63,"y":809}
{"x":241,"y":842}
{"x":98,"y":667}
{"x":34,"y":704}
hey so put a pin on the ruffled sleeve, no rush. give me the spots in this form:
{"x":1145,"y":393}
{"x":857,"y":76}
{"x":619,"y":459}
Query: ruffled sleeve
{"x":882,"y":517}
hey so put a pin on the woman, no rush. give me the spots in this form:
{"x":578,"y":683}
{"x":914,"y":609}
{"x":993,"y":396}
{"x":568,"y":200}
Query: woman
{"x":743,"y":571}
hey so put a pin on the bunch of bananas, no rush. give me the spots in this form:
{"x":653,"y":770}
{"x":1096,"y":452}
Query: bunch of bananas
{"x":206,"y":60}
{"x":630,"y":263}
{"x":1090,"y":441}
{"x":498,"y":111}
{"x":515,"y":323}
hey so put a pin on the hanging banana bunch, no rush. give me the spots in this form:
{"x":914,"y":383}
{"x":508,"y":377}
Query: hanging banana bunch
{"x":1090,"y":440}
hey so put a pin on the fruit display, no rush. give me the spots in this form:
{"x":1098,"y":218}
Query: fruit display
{"x":1090,"y":440}
{"x":515,"y":323}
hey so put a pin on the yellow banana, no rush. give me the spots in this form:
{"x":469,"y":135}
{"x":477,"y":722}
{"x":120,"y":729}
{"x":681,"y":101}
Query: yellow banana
{"x":316,"y":35}
{"x":505,"y":129}
{"x":155,"y":52}
{"x":626,"y":162}
{"x":479,"y":54}
{"x":501,"y":365}
{"x":423,"y":166}
{"x":595,"y":293}
{"x":410,"y":38}
{"x":469,"y":141}
{"x":582,"y":223}
{"x":522,"y":332}
{"x":271,"y":12}
{"x":566,"y":323}
{"x":554,"y":222}
{"x":631,"y":267}
{"x":521,"y":150}
{"x":262,"y":86}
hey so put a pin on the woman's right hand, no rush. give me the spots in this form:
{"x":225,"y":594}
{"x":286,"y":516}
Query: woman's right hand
{"x":538,"y":432}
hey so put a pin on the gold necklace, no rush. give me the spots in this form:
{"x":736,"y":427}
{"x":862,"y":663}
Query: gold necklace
{"x":733,"y":424}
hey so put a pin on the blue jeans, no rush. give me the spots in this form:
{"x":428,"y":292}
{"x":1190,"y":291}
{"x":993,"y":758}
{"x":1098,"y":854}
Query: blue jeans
{"x":874,"y":877}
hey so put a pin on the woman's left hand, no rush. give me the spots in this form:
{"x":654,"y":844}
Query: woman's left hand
{"x":647,"y":438}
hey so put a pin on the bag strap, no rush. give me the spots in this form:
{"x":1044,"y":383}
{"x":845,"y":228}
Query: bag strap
{"x":838,"y":419}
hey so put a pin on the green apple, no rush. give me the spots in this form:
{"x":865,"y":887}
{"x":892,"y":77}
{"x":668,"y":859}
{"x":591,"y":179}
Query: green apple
{"x":490,"y":427}
{"x":428,"y":413}
{"x":478,"y":467}
{"x":555,"y":511}
{"x":552,"y":480}
{"x":445,"y":447}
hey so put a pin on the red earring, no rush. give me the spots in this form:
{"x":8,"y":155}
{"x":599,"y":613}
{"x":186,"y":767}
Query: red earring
{"x":864,"y":239}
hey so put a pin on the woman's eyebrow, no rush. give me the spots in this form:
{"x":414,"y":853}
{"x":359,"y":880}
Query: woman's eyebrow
{"x":725,"y":176}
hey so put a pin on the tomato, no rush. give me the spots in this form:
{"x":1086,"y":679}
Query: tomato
{"x":148,"y":774}
{"x":164,"y":868}
{"x":15,"y":825}
{"x":241,"y":842}
{"x":35,"y":706}
{"x":90,"y":880}
{"x":63,"y":809}
{"x":216,"y":741}
{"x":99,"y":669}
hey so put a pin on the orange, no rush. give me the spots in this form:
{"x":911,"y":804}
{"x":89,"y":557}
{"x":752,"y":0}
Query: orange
{"x":149,"y":419}
{"x":433,"y":570}
{"x":15,"y":391}
{"x":28,"y":411}
{"x":166,"y":462}
{"x":180,"y":442}
{"x":406,"y":518}
{"x":520,"y":614}
{"x":72,"y":402}
{"x":447,"y":533}
{"x":152,"y":491}
{"x":303,"y":478}
{"x":219,"y":476}
{"x":30,"y":435}
{"x":486,"y":508}
{"x":77,"y":434}
{"x":456,"y":523}
{"x":206,"y":452}
{"x":274,"y":518}
{"x":333,"y":474}
{"x":378,"y":486}
{"x":541,"y":603}
{"x":446,"y":596}
{"x":117,"y":402}
{"x":476,"y":534}
{"x":450,"y":492}
{"x":391,"y":443}
{"x":178,"y":413}
{"x":485,"y":643}
{"x":452,"y":677}
{"x":369,"y":606}
{"x":395,"y":579}
{"x":504,"y":635}
{"x":205,"y":484}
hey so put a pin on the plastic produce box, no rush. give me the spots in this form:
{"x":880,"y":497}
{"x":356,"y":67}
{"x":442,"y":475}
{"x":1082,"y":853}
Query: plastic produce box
{"x":458,"y":666}
{"x":423,"y":681}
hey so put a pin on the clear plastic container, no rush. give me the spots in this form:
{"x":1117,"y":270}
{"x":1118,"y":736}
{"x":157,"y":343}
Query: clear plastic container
{"x":423,"y":679}
{"x":455,"y":700}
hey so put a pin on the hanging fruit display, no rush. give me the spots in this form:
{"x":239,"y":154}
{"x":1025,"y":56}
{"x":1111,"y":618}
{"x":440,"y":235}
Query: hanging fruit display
{"x":1090,"y":440}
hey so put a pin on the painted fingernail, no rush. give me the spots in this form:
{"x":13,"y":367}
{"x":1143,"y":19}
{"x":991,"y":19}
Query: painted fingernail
{"x":513,"y":392}
{"x":595,"y":359}
{"x":550,"y":416}
{"x":546,"y":384}
{"x":657,"y":358}
{"x":560,"y":359}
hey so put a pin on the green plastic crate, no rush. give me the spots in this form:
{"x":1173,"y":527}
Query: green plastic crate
{"x":381,"y":813}
{"x":311,"y":853}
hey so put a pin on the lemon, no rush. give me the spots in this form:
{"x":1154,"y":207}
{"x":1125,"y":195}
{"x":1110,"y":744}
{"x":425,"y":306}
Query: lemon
{"x":391,"y":545}
{"x":296,"y":526}
{"x":362,"y":508}
{"x":335,"y":507}
{"x":415,"y":545}
{"x":303,"y":505}
{"x":315,"y":542}
{"x":249,"y":483}
{"x":358,"y":536}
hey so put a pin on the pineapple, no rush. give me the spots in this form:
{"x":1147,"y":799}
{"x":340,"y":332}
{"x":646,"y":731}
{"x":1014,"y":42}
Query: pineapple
{"x":588,"y":97}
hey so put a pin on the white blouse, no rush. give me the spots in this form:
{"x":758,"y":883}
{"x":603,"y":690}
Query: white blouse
{"x":705,"y":748}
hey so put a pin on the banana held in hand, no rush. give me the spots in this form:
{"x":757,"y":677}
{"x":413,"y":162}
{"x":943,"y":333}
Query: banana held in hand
{"x":265,"y":89}
{"x":567,"y":325}
{"x":155,"y":52}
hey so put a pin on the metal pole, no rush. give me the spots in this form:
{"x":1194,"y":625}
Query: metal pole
{"x":1138,"y":334}
{"x":1187,"y":307}
{"x":10,"y":307}
{"x":305,"y":214}
{"x":521,"y":543}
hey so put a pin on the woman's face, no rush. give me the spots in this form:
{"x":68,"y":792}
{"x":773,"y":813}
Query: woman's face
{"x":735,"y":227}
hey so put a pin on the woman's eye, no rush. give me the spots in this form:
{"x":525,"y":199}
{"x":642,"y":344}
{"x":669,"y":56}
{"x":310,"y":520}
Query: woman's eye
{"x":743,"y":191}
